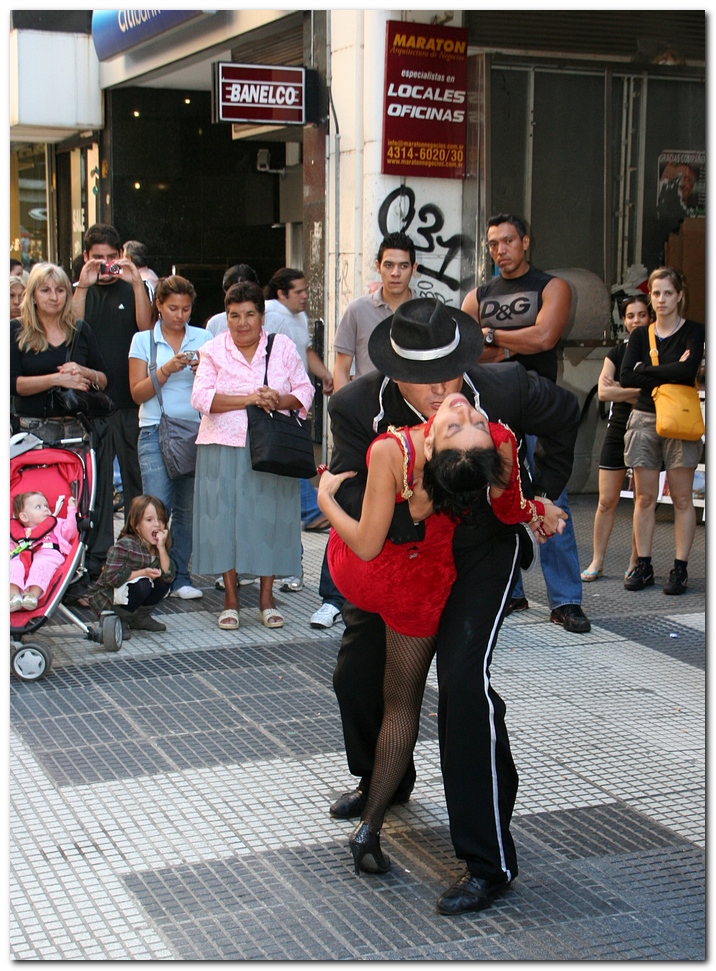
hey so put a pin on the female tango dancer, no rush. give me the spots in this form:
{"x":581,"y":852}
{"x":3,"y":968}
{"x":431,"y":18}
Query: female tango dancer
{"x":460,"y":460}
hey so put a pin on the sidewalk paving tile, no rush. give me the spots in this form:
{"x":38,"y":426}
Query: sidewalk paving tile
{"x":169,"y":802}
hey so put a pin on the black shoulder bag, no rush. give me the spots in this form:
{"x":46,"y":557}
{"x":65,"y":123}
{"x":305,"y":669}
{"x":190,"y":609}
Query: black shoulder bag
{"x":70,"y":402}
{"x":279,"y":443}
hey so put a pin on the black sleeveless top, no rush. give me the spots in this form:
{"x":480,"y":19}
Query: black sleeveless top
{"x":511,"y":304}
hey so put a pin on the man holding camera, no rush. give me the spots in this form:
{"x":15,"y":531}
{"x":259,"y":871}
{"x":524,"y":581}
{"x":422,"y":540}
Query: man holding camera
{"x":111,"y":297}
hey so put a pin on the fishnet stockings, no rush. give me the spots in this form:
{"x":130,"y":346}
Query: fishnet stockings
{"x":407,"y":663}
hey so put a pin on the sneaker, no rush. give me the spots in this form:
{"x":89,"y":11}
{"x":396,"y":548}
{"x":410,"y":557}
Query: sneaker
{"x":515,"y":604}
{"x":292,"y":584}
{"x":187,"y":592}
{"x":676,"y":584}
{"x":325,"y":616}
{"x":641,"y":576}
{"x":241,"y":581}
{"x":572,"y":618}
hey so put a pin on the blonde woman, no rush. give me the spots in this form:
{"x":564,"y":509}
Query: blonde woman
{"x":40,"y":339}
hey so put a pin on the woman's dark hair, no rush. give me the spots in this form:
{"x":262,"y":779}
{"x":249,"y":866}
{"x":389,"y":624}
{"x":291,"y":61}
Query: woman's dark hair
{"x":245,"y":292}
{"x":282,"y":280}
{"x":168,"y":286}
{"x":137,"y":508}
{"x":455,"y":480}
{"x":235,"y":274}
{"x":635,"y":298}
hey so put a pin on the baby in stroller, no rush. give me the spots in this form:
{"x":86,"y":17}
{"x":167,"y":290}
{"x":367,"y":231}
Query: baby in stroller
{"x":39,"y":544}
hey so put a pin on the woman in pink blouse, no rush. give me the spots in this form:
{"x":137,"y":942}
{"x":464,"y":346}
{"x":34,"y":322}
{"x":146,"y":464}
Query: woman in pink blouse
{"x":245,"y":521}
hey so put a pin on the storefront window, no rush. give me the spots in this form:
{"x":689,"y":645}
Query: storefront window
{"x":28,"y":205}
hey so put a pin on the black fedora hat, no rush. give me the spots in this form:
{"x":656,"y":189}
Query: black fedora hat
{"x":425,"y":341}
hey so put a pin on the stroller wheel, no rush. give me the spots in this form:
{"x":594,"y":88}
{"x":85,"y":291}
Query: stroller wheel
{"x":112,"y":634}
{"x":31,"y":661}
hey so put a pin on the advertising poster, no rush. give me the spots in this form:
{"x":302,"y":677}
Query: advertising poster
{"x":682,"y":183}
{"x":425,"y":102}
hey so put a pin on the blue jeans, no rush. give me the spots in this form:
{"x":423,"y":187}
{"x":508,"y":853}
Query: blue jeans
{"x":558,"y":557}
{"x":176,"y":494}
{"x":309,"y":506}
{"x":327,"y":590}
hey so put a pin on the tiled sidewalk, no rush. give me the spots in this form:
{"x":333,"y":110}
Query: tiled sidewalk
{"x":170,"y":801}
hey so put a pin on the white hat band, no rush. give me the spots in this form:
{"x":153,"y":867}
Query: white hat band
{"x":432,"y":354}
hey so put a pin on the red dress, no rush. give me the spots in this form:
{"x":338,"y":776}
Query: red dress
{"x":386,"y":584}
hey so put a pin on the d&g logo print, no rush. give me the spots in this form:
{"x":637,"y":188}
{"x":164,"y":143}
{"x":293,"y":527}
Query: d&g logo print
{"x":509,"y":310}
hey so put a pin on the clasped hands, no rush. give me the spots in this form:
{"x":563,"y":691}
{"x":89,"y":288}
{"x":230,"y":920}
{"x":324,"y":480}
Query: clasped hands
{"x":74,"y":376}
{"x":267,"y":398}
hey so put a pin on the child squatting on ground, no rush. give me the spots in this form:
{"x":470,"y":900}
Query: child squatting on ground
{"x":138,"y":572}
{"x":39,"y":543}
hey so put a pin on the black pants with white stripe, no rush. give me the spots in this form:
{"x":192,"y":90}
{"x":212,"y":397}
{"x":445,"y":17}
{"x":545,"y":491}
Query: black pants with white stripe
{"x":478,"y":772}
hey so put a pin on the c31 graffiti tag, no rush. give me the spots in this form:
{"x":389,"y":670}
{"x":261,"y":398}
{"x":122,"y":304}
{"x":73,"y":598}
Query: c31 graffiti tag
{"x":431,"y":222}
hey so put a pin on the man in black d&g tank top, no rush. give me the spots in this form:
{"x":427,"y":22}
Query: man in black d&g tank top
{"x":523,"y":313}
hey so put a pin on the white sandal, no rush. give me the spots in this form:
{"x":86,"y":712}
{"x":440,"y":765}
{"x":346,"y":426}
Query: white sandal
{"x":271,"y":617}
{"x":229,"y":619}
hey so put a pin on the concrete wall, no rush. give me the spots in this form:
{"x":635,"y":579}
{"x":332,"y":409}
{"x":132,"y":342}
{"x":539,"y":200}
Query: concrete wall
{"x":54,"y":85}
{"x":357,"y":44}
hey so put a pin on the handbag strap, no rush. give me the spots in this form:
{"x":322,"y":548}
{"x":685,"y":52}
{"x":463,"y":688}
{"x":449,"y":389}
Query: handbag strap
{"x":269,"y":345}
{"x":654,"y":353}
{"x":73,"y":343}
{"x":153,"y":369}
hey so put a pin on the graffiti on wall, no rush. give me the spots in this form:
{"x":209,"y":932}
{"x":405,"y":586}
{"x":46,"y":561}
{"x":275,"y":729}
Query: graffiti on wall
{"x":399,"y":212}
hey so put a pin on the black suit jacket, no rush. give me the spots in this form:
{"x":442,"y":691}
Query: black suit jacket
{"x":529,"y":404}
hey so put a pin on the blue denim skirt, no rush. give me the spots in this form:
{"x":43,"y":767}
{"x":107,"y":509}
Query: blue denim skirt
{"x":244,"y":520}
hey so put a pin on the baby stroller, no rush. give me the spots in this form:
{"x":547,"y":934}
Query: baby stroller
{"x":58,"y":469}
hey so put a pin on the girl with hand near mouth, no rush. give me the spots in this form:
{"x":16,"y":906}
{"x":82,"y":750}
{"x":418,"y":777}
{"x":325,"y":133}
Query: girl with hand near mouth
{"x":138,"y":572}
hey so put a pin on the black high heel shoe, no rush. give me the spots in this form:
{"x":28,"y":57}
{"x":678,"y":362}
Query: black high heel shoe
{"x":367,"y":854}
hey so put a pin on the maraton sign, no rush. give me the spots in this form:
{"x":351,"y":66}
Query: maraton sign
{"x":425,"y":111}
{"x":259,"y":94}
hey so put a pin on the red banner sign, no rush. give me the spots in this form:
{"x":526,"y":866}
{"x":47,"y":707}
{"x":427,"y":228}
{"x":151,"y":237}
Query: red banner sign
{"x":425,"y":104}
{"x":259,"y":94}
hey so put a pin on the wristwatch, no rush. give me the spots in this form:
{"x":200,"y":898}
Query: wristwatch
{"x":490,"y":337}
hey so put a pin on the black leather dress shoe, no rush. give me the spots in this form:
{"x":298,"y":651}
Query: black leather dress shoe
{"x":349,"y":804}
{"x":352,"y":804}
{"x":572,"y":618}
{"x":515,"y":604}
{"x":468,"y":894}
